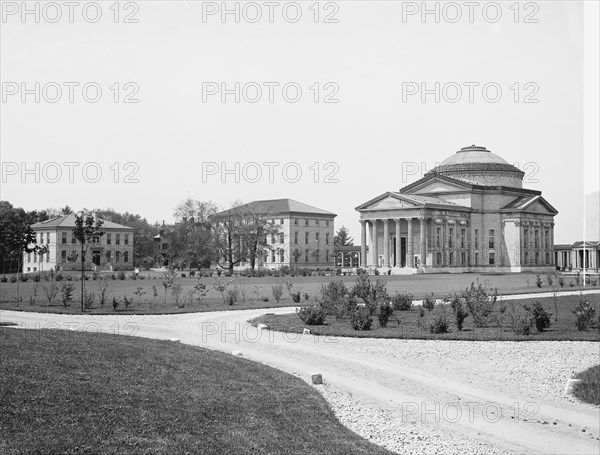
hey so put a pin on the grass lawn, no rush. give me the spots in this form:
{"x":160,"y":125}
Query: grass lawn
{"x":69,"y":392}
{"x":588,"y":389}
{"x":256,"y":290}
{"x":409,"y":326}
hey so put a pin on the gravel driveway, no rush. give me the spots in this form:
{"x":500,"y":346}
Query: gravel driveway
{"x":411,"y":396}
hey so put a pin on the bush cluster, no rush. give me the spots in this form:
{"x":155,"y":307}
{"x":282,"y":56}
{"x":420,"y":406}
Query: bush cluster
{"x":402,"y":301}
{"x":361,"y":318}
{"x":312,"y":315}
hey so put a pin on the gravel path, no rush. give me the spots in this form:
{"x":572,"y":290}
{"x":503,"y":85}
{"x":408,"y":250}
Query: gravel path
{"x":411,"y":396}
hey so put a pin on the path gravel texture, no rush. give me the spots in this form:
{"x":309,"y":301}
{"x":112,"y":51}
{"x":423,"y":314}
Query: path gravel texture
{"x":411,"y":396}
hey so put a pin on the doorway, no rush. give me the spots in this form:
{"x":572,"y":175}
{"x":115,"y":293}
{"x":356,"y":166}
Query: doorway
{"x":402,"y":262}
{"x":96,"y":257}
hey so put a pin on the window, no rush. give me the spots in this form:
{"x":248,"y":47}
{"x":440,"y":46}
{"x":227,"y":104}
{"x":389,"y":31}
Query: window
{"x":41,"y":238}
{"x":317,"y":237}
{"x":526,"y":238}
{"x":463,"y":258}
{"x":317,"y":254}
{"x":48,"y":256}
{"x":536,"y":239}
{"x":73,"y":238}
{"x":281,"y":221}
{"x":439,"y":258}
{"x":438,"y":234}
{"x":327,"y":239}
{"x":281,"y":238}
{"x":537,"y":258}
{"x":546,"y":239}
{"x":306,"y":222}
{"x":272,"y":237}
{"x":526,"y":258}
{"x":126,"y":256}
{"x":547,"y":258}
{"x":96,"y":239}
{"x":450,"y":236}
{"x":28,"y":257}
{"x":492,"y":233}
{"x":306,"y":237}
{"x":281,"y":256}
{"x":463,"y":233}
{"x":117,"y":240}
{"x":126,"y":239}
{"x":35,"y":257}
{"x":476,"y":238}
{"x":47,"y":237}
{"x":476,"y":258}
{"x":492,"y":258}
{"x":273,"y":256}
{"x":305,"y":255}
{"x":326,"y":255}
{"x":64,"y":237}
{"x":327,"y":223}
{"x":118,"y":255}
{"x":316,"y":222}
{"x":451,"y":261}
{"x":165,"y":246}
{"x":108,"y":239}
{"x":64,"y":256}
{"x":295,"y":221}
{"x":295,"y":237}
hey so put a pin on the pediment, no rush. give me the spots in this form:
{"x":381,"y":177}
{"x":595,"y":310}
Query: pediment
{"x":437,"y":186}
{"x":392,"y":203}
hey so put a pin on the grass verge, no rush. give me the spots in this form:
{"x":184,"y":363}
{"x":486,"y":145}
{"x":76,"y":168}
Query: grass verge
{"x":588,"y":389}
{"x":69,"y":392}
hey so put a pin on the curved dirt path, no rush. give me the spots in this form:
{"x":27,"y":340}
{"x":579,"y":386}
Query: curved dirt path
{"x":416,"y":391}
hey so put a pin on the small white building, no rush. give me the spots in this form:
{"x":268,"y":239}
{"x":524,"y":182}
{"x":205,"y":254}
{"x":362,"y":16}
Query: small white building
{"x":113,"y":251}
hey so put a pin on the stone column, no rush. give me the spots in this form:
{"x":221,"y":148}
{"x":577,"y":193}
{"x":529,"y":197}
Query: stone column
{"x":363,"y":243}
{"x":374,"y":257}
{"x":410,"y":256}
{"x":398,"y":249}
{"x":422,"y":239}
{"x":444,"y":242}
{"x":551,"y":242}
{"x":386,"y":243}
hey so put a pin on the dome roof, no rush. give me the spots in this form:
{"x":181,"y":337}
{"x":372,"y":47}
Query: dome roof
{"x":479,"y":165}
{"x":473,"y":154}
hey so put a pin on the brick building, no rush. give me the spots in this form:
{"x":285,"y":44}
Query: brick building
{"x":470,"y":213}
{"x":113,"y":251}
{"x":303,"y":234}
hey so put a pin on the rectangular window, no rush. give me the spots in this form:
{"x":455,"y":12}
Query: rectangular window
{"x":118,"y":255}
{"x":273,"y":256}
{"x":306,"y":222}
{"x":476,"y":238}
{"x":492,"y":233}
{"x":526,"y":260}
{"x":281,"y":238}
{"x":48,"y":256}
{"x":326,"y":255}
{"x":73,"y":238}
{"x":64,"y":237}
{"x":317,"y":237}
{"x":126,"y":239}
{"x":492,"y":258}
{"x":327,"y":239}
{"x":316,"y":222}
{"x":126,"y":256}
{"x":450,"y":237}
{"x":28,"y":257}
{"x":476,"y":258}
{"x":63,"y":256}
{"x":463,"y":233}
{"x":463,"y":258}
{"x":41,"y":238}
{"x":438,"y":234}
{"x":165,"y":246}
{"x":439,"y":258}
{"x":108,"y":239}
{"x":47,"y":237}
{"x":537,"y":258}
{"x":526,"y":238}
{"x":296,"y":221}
{"x":536,"y":239}
{"x":305,"y":255}
{"x":451,"y":261}
{"x":281,"y":256}
{"x":546,"y":240}
{"x":281,"y":221}
{"x":117,"y":239}
{"x":272,"y":238}
{"x":547,"y":258}
{"x":306,"y":237}
{"x":295,"y":237}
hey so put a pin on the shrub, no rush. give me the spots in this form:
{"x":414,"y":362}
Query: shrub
{"x":538,"y":281}
{"x":50,"y":291}
{"x":438,"y":322}
{"x":549,"y":279}
{"x":24,"y":278}
{"x":371,"y":294}
{"x":402,"y":302}
{"x":176,"y":291}
{"x":481,"y":301}
{"x":561,"y":282}
{"x":284,"y":270}
{"x":59,"y":277}
{"x":115,"y":303}
{"x":3,"y":279}
{"x":126,"y":301}
{"x":277,"y":290}
{"x":521,"y":320}
{"x":113,"y":276}
{"x":312,"y":315}
{"x":429,"y":302}
{"x":121,"y":275}
{"x":265,"y":299}
{"x":384,"y":311}
{"x":540,"y":316}
{"x":459,"y":310}
{"x":69,"y":277}
{"x":13,"y":279}
{"x":36,"y":278}
{"x":578,"y":279}
{"x":361,"y":318}
{"x":233,"y":296}
{"x":89,"y":296}
{"x":103,"y":289}
{"x":296,"y":297}
{"x":584,"y":314}
{"x":66,"y":293}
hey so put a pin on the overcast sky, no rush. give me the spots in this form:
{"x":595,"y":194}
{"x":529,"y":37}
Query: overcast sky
{"x":368,"y":61}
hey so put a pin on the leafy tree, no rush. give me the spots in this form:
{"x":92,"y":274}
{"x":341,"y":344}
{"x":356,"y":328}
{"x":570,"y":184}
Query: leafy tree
{"x":342,"y":237}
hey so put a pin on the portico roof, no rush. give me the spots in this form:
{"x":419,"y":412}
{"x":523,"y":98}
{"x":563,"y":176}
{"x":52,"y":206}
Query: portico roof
{"x":391,"y":200}
{"x":530,"y":203}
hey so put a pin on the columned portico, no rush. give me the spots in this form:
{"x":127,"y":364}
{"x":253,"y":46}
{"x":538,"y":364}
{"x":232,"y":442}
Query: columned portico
{"x":386,"y":243}
{"x":423,"y":238}
{"x":410,"y":261}
{"x":398,"y":245}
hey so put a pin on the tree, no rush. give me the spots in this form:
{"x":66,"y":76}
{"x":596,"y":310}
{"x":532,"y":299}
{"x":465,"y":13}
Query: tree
{"x":14,"y":224}
{"x":194,"y":210}
{"x":20,"y":239}
{"x":87,"y":230}
{"x":342,"y":237}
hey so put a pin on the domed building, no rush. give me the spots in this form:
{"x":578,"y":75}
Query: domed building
{"x":469,"y":214}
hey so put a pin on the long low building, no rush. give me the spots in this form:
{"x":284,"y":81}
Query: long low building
{"x":578,"y":256}
{"x":469,"y":214}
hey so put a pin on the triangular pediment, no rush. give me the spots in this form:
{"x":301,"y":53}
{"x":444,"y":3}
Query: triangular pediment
{"x":535,"y":204}
{"x":389,"y":201}
{"x":436,"y":184}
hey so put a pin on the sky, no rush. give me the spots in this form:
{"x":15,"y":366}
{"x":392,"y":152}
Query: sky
{"x":350,"y":124}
